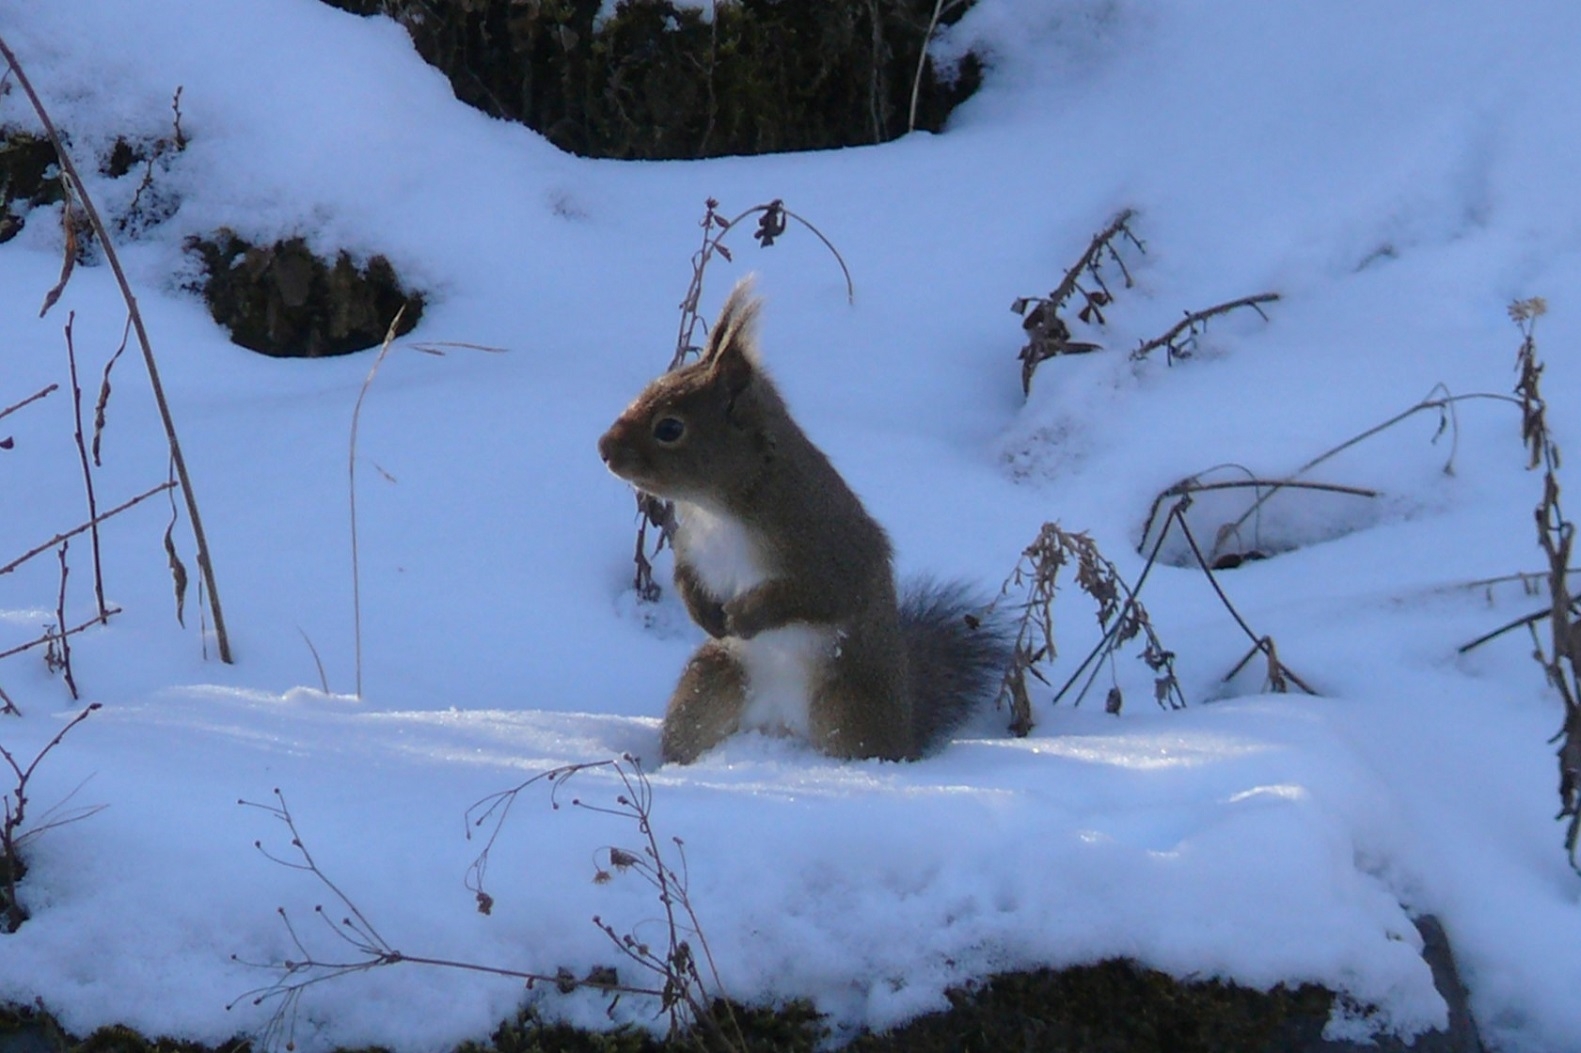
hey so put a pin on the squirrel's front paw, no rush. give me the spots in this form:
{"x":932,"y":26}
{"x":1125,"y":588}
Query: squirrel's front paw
{"x":739,"y":619}
{"x":712,"y":618}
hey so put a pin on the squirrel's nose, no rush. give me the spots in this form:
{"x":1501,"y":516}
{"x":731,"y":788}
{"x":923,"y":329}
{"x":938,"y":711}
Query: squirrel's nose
{"x":606,"y":445}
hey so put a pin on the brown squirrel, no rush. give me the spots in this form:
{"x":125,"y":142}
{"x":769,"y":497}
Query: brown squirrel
{"x":781,"y":565}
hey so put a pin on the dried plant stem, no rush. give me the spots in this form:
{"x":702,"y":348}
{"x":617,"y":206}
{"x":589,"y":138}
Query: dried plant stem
{"x":1088,"y":264}
{"x":205,"y":563}
{"x":323,"y":679}
{"x":715,"y":229}
{"x":351,"y":471}
{"x":357,"y":933}
{"x":1194,"y":485}
{"x":1561,"y":658}
{"x":58,"y":538}
{"x":87,"y":474}
{"x":1278,"y":671}
{"x":1048,"y":334}
{"x":30,"y":399}
{"x":685,"y":993}
{"x":1117,"y":627}
{"x":1120,"y":613}
{"x":62,"y":658}
{"x":1524,"y":621}
{"x":55,"y":635}
{"x":12,"y":836}
{"x":1192,"y":323}
{"x":1445,"y":404}
{"x":922,"y":64}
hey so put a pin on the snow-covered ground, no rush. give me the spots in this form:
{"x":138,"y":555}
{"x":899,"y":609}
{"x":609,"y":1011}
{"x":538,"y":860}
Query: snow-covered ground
{"x":1398,"y":171}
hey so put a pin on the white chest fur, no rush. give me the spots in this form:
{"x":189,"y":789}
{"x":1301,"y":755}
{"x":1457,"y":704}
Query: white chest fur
{"x":720,"y":548}
{"x":782,"y":664}
{"x":782,"y":667}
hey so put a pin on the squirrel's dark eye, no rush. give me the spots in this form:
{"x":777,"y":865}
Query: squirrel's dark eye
{"x":668,"y":430}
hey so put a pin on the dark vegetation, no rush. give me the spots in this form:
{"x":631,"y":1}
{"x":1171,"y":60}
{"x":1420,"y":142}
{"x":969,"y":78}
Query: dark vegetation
{"x":285,"y":301}
{"x":1109,"y":1007}
{"x":659,"y":81}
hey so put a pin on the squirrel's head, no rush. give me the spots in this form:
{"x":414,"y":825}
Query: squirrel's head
{"x":698,"y":432}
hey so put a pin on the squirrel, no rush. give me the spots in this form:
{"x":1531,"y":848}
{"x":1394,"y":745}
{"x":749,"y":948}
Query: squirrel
{"x":779,"y":562}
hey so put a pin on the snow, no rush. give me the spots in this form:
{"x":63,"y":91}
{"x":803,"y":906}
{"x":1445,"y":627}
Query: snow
{"x":1398,"y":173}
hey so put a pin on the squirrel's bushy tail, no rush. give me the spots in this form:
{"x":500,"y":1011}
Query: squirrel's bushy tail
{"x":953,"y":666}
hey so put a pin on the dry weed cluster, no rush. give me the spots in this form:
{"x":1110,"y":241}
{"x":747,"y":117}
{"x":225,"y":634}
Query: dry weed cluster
{"x":81,"y":224}
{"x":1561,"y":657}
{"x":681,"y":980}
{"x":1087,"y":283}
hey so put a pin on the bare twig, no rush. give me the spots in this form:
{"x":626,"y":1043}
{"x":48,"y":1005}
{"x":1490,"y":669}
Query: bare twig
{"x":1445,"y":403}
{"x":356,"y":932}
{"x":30,"y":399}
{"x":53,"y":635}
{"x":684,"y":994}
{"x":69,"y":170}
{"x":12,"y":835}
{"x":58,"y":538}
{"x":323,"y":679}
{"x":1193,"y":484}
{"x":1524,"y":621}
{"x":1181,"y":339}
{"x":1279,"y":673}
{"x":64,"y":660}
{"x":87,"y":475}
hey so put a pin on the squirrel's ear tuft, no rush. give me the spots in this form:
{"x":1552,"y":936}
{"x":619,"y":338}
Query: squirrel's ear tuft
{"x":736,"y":329}
{"x":732,"y":351}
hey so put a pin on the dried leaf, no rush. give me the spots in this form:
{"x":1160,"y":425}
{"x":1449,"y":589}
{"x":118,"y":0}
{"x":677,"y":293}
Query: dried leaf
{"x":178,"y":574}
{"x":103,"y":402}
{"x":772,"y":224}
{"x":68,"y":261}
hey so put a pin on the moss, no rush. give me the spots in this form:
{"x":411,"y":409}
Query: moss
{"x":656,"y":80}
{"x":284,"y":301}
